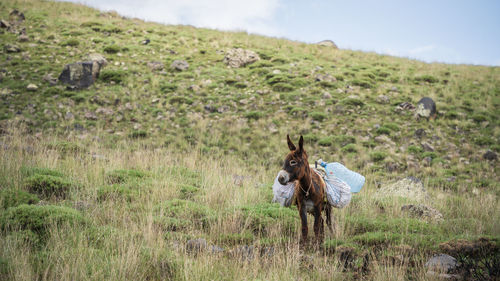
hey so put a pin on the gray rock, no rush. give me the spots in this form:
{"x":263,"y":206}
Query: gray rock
{"x":419,"y":133}
{"x":423,"y":212}
{"x":156,"y":65}
{"x":327,"y":43}
{"x":383,"y":99}
{"x":90,"y":115}
{"x":267,"y":252}
{"x":210,"y":108}
{"x":16,"y":16}
{"x":80,"y":75}
{"x":195,"y":246}
{"x":179,"y":65}
{"x":426,"y":108}
{"x":98,"y":58}
{"x":324,"y":77}
{"x":32,"y":87}
{"x":239,"y":57}
{"x":405,"y":106}
{"x":490,"y":155}
{"x":442,"y":263}
{"x":11,"y":48}
{"x":4,"y":24}
{"x":409,"y":187}
{"x":216,"y":250}
{"x":427,"y":147}
{"x":244,"y":253}
{"x":69,"y":116}
{"x":327,"y":95}
{"x":23,"y":38}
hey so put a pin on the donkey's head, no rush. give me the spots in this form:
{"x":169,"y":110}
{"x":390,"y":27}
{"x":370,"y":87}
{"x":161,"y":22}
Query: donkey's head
{"x":294,"y":166}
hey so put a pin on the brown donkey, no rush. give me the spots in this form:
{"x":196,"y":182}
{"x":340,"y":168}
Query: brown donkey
{"x":309,"y":189}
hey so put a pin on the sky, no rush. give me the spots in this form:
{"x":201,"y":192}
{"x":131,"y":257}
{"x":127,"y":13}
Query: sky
{"x":449,"y":31}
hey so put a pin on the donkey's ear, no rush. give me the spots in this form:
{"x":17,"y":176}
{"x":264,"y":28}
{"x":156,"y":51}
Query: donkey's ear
{"x":301,"y":144}
{"x":290,"y":143}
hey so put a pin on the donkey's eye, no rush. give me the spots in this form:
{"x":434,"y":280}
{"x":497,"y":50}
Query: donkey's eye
{"x":293,"y":162}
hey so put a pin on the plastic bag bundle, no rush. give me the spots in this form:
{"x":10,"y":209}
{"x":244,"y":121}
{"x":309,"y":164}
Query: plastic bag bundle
{"x":283,"y":194}
{"x":338,"y":192}
{"x":353,"y":179}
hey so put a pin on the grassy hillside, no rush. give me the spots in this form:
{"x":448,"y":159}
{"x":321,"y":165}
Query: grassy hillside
{"x":111,"y":182}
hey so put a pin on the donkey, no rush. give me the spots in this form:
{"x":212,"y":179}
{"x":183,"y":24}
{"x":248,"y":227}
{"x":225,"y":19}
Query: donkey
{"x":310,"y":188}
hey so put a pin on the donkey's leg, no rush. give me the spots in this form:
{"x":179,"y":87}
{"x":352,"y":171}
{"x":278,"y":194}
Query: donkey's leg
{"x":328,"y":210}
{"x":303,"y":220}
{"x":318,"y":223}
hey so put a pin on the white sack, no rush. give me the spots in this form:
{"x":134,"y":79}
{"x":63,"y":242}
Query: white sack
{"x":283,"y":194}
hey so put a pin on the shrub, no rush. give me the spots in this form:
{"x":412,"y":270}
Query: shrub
{"x":479,"y":117}
{"x":236,"y":238}
{"x":48,"y":186}
{"x":16,"y":197}
{"x":65,"y":147}
{"x":426,"y":78}
{"x":344,"y":140}
{"x":39,"y":219}
{"x":326,"y":141}
{"x":430,"y":154}
{"x":364,"y":83}
{"x":180,"y":100}
{"x":350,"y":148}
{"x":378,"y":156}
{"x":378,"y":238}
{"x":71,"y":42}
{"x":188,"y":191}
{"x":264,"y":215}
{"x":117,"y":191}
{"x":121,"y":176}
{"x":277,"y":78}
{"x":30,"y":171}
{"x":382,"y":130}
{"x":415,"y":149}
{"x":255,"y":115}
{"x":167,"y":87}
{"x":282,"y":87}
{"x":112,"y":49}
{"x":352,"y":102}
{"x":198,"y":214}
{"x":140,"y":134}
{"x":52,"y":91}
{"x":318,"y":116}
{"x":116,"y":76}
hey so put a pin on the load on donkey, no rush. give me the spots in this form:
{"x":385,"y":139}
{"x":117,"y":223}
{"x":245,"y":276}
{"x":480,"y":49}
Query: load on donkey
{"x":314,"y":190}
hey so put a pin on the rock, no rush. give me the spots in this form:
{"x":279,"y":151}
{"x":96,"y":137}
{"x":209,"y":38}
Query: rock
{"x":216,"y":250}
{"x":80,"y":75}
{"x":426,"y":108}
{"x":409,"y":187}
{"x":16,"y":16}
{"x":195,"y":246}
{"x":179,"y":65}
{"x":105,"y":111}
{"x":69,"y":116}
{"x":419,"y":133}
{"x":90,"y":115}
{"x":391,"y":167}
{"x":4,"y":24}
{"x":324,"y":77}
{"x":210,"y":108}
{"x":442,"y":263}
{"x":490,"y":155}
{"x":384,"y":139}
{"x":98,"y":58}
{"x":145,"y":41}
{"x":267,"y":252}
{"x":327,"y":95}
{"x":223,"y":109}
{"x":405,"y":106}
{"x":383,"y":99}
{"x":49,"y":78}
{"x":244,"y":253}
{"x":327,"y":43}
{"x":32,"y":87}
{"x":156,"y":65}
{"x":239,"y":57}
{"x":23,"y":38}
{"x":427,"y":147}
{"x":394,"y":89}
{"x":427,"y":161}
{"x":11,"y":48}
{"x":423,"y":212}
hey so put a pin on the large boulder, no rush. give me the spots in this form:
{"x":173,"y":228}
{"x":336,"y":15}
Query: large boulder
{"x":327,"y":43}
{"x":422,"y":212}
{"x":443,"y":266}
{"x":426,"y":108}
{"x":81,"y":75}
{"x":239,"y":57}
{"x":409,"y":187}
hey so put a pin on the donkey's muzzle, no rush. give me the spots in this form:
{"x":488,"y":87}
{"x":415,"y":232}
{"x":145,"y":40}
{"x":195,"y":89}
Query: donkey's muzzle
{"x":283,"y":177}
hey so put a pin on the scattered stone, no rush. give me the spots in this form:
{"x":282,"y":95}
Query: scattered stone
{"x":16,"y":16}
{"x":394,"y":89}
{"x":267,"y":252}
{"x":194,"y":88}
{"x":104,"y":110}
{"x":426,"y":108}
{"x":490,"y":155}
{"x":195,"y":246}
{"x":216,"y":250}
{"x":239,"y":57}
{"x":327,"y":43}
{"x":210,"y":108}
{"x":423,"y":212}
{"x":98,"y":58}
{"x":11,"y":48}
{"x":32,"y":87}
{"x":327,"y":95}
{"x":392,"y":166}
{"x":419,"y":133}
{"x":384,"y":139}
{"x":90,"y":115}
{"x":405,"y":106}
{"x":23,"y":38}
{"x":69,"y":116}
{"x":427,"y":161}
{"x":383,"y":99}
{"x":179,"y":65}
{"x":443,"y":266}
{"x":156,"y":65}
{"x":223,"y":109}
{"x":244,"y":253}
{"x":145,"y":41}
{"x":80,"y":75}
{"x":427,"y":147}
{"x":409,"y":187}
{"x":4,"y":24}
{"x":324,"y":77}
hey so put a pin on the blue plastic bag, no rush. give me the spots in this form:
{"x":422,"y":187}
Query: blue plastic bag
{"x":353,"y":179}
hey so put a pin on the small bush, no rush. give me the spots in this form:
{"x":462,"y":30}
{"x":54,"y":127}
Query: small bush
{"x":140,"y":134}
{"x":180,"y":100}
{"x":66,"y":147}
{"x":350,"y":148}
{"x":121,"y":176}
{"x":277,"y":78}
{"x":236,"y":238}
{"x":71,"y":42}
{"x":112,"y":49}
{"x":117,"y":191}
{"x":116,"y":76}
{"x":283,"y":87}
{"x":15,"y":197}
{"x":326,"y":141}
{"x":28,"y":171}
{"x":484,"y":140}
{"x":48,"y":186}
{"x":352,"y":102}
{"x":378,"y":156}
{"x":364,"y":83}
{"x":262,"y":216}
{"x":426,"y":78}
{"x":479,"y":117}
{"x":255,"y":115}
{"x":188,"y":191}
{"x":198,"y":214}
{"x":318,"y":116}
{"x":415,"y":149}
{"x":382,"y":130}
{"x":167,"y":87}
{"x":378,"y":238}
{"x":52,"y":91}
{"x":39,"y":219}
{"x":344,"y":140}
{"x":430,"y":154}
